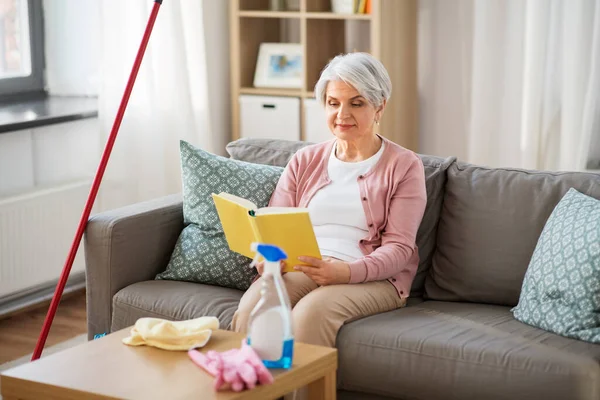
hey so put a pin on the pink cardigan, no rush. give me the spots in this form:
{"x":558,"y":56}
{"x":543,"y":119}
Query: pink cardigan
{"x":394,"y":199}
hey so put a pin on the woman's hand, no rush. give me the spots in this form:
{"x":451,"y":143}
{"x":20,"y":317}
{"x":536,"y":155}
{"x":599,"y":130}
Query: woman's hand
{"x":260,"y":267}
{"x":328,"y":271}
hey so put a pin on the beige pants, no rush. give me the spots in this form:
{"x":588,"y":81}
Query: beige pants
{"x":318,"y":312}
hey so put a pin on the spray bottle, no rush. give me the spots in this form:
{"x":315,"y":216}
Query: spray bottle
{"x":270,"y":331}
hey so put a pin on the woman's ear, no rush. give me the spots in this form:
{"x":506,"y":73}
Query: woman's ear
{"x":380,"y":109}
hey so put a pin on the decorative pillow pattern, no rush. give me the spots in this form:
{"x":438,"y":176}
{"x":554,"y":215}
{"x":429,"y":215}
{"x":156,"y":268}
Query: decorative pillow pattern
{"x":561,"y":289}
{"x":201,"y":253}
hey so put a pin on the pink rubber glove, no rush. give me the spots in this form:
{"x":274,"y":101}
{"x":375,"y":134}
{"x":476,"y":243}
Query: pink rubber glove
{"x":235,"y":369}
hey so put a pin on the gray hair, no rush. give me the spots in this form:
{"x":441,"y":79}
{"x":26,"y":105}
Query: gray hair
{"x":361,"y":70}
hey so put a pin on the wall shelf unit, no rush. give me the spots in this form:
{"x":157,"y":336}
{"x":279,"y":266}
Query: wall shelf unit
{"x":389,"y":32}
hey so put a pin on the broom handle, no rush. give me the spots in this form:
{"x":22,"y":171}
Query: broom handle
{"x":95,"y":186}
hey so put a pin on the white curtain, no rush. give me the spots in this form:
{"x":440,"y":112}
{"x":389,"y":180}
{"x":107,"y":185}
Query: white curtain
{"x":181,"y":93}
{"x":510,"y":82}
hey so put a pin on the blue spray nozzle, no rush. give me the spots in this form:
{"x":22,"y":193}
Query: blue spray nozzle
{"x":270,"y":252}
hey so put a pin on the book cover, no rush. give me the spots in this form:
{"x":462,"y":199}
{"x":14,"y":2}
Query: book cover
{"x":362,"y":6}
{"x":289,"y":228}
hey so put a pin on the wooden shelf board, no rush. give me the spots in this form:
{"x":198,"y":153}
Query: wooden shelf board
{"x":271,"y":91}
{"x":269,"y":14}
{"x":330,"y":15}
{"x":298,"y":14}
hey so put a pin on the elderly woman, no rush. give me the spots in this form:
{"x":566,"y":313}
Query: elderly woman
{"x":366,"y":198}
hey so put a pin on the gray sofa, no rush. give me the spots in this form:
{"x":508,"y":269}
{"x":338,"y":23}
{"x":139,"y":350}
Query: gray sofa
{"x":456,"y":339}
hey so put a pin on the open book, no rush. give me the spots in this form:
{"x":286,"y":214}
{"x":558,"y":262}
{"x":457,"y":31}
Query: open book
{"x":289,"y":228}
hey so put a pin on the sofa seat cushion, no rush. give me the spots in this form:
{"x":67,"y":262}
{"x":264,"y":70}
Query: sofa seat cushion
{"x":174,"y":301}
{"x":446,"y":350}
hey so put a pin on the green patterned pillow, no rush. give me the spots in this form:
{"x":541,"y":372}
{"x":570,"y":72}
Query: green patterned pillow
{"x":561,"y":289}
{"x":201,"y":253}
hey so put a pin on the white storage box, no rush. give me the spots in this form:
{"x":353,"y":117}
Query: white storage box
{"x":269,"y":117}
{"x":315,"y":122}
{"x":342,"y":6}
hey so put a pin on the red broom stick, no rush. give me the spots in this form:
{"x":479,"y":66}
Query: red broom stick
{"x":95,"y":186}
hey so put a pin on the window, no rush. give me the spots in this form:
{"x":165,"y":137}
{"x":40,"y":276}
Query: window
{"x":21,"y":47}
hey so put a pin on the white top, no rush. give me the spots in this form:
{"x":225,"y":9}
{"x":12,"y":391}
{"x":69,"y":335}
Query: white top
{"x":336,"y":210}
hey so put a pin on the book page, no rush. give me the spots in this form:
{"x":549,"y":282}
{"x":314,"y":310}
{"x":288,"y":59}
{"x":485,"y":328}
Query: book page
{"x":280,"y":210}
{"x":292,"y":232}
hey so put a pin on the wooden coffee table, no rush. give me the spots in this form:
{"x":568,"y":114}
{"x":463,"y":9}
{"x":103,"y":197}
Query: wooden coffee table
{"x":106,"y":369}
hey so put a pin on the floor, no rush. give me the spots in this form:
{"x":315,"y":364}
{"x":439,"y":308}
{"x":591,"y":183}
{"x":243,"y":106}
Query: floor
{"x":20,"y":332}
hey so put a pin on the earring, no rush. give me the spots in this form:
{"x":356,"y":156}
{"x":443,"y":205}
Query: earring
{"x":377,"y":121}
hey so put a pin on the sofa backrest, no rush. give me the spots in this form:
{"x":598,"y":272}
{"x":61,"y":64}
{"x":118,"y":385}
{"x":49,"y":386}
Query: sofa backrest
{"x":279,"y":152}
{"x":264,"y":151}
{"x":490,"y":222}
{"x":435,"y":183}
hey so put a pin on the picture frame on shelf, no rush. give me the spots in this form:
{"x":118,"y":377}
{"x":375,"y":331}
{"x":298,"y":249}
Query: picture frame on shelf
{"x":279,"y":65}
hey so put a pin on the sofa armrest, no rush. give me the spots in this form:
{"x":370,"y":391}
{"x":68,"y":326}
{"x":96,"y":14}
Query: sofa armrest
{"x":125,"y":246}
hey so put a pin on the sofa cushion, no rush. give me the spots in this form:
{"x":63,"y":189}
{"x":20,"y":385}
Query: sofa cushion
{"x":264,"y":151}
{"x":201,"y":253}
{"x":561,"y":290}
{"x":346,"y":395}
{"x":175,"y":301}
{"x":490,"y":223}
{"x":435,"y":182}
{"x":447,"y":350}
{"x":279,"y":152}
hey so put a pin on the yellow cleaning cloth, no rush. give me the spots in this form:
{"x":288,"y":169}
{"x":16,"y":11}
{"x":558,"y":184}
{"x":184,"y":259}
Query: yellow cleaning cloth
{"x":172,"y":335}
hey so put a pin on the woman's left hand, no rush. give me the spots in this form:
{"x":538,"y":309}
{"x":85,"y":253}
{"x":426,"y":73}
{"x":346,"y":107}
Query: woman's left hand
{"x":328,"y":271}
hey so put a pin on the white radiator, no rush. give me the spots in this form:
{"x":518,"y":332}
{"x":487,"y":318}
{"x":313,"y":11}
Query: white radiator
{"x":36,"y":232}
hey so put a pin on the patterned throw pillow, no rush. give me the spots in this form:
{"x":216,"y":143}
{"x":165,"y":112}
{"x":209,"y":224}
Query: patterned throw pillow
{"x":561,"y":289}
{"x":201,"y":253}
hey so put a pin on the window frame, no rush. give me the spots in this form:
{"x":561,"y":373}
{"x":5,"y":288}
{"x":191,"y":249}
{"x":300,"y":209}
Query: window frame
{"x":34,"y":83}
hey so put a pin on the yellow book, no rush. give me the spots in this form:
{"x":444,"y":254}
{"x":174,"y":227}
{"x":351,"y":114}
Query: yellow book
{"x":289,"y":228}
{"x":362,"y":6}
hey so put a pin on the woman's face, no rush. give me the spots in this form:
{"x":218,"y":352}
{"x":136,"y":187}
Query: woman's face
{"x":349,"y":115}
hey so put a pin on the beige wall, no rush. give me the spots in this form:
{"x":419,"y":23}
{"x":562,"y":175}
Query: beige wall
{"x":442,"y":129}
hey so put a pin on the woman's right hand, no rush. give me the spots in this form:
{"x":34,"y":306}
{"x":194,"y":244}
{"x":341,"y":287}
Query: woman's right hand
{"x":260,"y":267}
